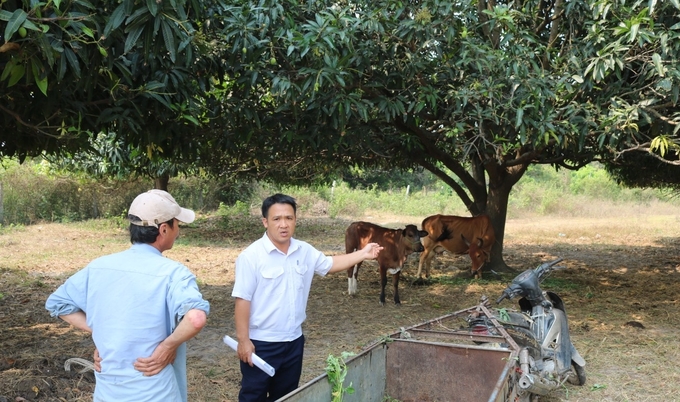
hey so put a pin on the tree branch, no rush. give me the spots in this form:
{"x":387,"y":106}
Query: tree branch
{"x":34,"y":127}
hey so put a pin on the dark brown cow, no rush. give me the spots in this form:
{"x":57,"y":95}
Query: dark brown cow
{"x":397,"y":245}
{"x":459,"y":235}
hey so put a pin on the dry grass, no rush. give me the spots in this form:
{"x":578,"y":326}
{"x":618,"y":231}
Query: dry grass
{"x":620,"y":270}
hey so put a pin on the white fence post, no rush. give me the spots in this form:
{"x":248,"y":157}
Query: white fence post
{"x":2,"y":211}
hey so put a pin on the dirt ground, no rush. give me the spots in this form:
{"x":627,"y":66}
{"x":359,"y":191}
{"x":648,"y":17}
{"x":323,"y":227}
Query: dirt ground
{"x":621,"y":290}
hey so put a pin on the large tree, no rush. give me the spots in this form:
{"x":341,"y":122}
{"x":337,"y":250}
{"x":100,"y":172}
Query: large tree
{"x":475,"y":92}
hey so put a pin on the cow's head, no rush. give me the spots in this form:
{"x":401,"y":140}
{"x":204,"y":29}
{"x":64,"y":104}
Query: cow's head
{"x":478,"y":255}
{"x":412,"y":236}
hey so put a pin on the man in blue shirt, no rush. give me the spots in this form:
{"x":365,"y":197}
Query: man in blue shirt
{"x":139,"y":306}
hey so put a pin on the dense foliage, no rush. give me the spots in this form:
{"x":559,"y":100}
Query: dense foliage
{"x":70,"y":69}
{"x":474,"y":92}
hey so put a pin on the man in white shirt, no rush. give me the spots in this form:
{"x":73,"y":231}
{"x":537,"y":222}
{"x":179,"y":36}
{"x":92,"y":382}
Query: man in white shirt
{"x":139,"y":306}
{"x":273,"y":279}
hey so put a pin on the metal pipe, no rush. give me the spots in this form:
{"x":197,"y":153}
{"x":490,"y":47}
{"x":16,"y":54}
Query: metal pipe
{"x":531,"y":383}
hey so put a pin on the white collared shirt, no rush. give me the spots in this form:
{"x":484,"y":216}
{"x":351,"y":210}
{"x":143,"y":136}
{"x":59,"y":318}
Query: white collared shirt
{"x":277,"y":286}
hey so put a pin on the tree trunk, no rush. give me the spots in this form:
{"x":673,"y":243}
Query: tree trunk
{"x":497,"y":209}
{"x":161,"y":183}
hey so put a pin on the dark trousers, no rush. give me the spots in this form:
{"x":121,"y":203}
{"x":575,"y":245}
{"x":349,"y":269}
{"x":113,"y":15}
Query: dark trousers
{"x":286,"y":358}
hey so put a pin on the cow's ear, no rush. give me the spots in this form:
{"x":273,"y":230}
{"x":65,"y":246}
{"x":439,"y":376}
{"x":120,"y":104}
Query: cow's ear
{"x":423,"y":233}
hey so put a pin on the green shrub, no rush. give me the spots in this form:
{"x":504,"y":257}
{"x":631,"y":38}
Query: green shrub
{"x":33,"y":192}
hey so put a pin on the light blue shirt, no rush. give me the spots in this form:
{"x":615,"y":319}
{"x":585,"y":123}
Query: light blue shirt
{"x":277,"y":286}
{"x":133,"y":300}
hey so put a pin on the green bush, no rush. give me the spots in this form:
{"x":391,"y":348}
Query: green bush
{"x":32,"y":192}
{"x":594,"y":182}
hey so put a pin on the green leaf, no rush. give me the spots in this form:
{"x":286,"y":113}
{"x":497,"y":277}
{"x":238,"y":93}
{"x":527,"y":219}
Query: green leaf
{"x":42,"y":84}
{"x":30,"y":25}
{"x":15,"y":21}
{"x":152,"y":6}
{"x":657,"y":63}
{"x":154,"y":85}
{"x":518,"y":117}
{"x":62,"y":68}
{"x":132,"y":37}
{"x":87,"y":31}
{"x":633,"y":32}
{"x":169,"y":38}
{"x":16,"y":74}
{"x":676,"y":3}
{"x":8,"y":69}
{"x":72,"y":61}
{"x":117,"y":18}
{"x":191,"y":119}
{"x":5,"y":15}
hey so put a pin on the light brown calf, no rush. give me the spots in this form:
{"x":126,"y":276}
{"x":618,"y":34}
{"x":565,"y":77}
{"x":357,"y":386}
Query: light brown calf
{"x":458,"y":235}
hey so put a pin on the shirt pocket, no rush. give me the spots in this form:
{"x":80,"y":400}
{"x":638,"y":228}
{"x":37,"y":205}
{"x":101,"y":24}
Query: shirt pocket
{"x":272,"y":278}
{"x":272,"y":273}
{"x":272,"y":281}
{"x":300,"y":275}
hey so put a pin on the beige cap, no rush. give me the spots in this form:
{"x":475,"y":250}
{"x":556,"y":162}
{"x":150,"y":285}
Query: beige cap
{"x":157,"y":206}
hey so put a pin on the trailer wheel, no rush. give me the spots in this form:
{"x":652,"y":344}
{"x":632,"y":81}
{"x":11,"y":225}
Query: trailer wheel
{"x":578,"y":374}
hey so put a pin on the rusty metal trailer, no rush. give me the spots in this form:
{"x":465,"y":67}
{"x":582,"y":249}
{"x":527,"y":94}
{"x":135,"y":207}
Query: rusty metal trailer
{"x":438,"y":360}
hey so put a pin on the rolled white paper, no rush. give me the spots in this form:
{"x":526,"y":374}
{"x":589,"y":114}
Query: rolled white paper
{"x":257,"y":360}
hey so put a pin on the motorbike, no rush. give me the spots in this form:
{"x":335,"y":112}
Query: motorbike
{"x":547,"y":357}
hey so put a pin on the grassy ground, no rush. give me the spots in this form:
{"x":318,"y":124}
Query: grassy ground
{"x":621,"y":291}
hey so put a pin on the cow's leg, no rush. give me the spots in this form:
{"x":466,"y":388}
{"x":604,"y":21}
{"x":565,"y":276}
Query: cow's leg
{"x":423,"y":258}
{"x":425,"y":261}
{"x":383,"y":283}
{"x":428,"y":263}
{"x":395,"y":282}
{"x":352,"y":283}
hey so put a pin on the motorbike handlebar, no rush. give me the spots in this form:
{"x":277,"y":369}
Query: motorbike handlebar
{"x":546,"y":267}
{"x":551,"y":263}
{"x":508,"y":293}
{"x":500,"y":299}
{"x":517,"y":287}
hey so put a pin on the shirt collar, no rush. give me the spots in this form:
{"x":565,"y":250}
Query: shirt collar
{"x":270,"y":247}
{"x":147,"y":248}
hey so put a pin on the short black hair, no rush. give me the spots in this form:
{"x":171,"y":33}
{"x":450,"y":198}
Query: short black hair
{"x":144,"y":234}
{"x":277,"y":199}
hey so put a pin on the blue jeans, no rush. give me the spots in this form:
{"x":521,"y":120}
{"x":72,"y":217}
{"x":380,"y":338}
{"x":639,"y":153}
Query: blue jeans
{"x":286,"y":358}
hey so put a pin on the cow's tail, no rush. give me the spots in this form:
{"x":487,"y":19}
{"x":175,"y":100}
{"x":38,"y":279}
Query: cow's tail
{"x":351,"y":245}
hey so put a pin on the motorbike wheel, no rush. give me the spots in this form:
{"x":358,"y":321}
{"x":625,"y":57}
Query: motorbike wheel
{"x":578,"y":374}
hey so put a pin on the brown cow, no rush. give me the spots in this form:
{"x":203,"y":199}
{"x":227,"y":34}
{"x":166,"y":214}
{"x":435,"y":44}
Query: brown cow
{"x":397,"y":245}
{"x":459,"y":235}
